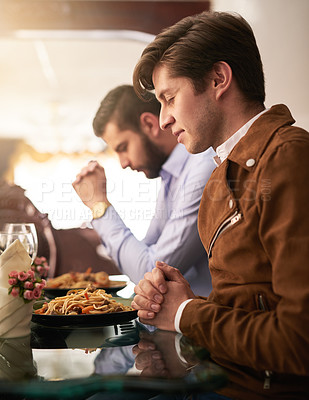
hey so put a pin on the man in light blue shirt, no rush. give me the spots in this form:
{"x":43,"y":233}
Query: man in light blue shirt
{"x":130,"y":127}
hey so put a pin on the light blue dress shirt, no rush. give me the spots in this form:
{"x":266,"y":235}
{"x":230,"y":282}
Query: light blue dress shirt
{"x":172,"y":235}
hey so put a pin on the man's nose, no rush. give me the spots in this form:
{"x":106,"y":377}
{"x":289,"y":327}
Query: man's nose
{"x":124,"y":161}
{"x":166,"y":120}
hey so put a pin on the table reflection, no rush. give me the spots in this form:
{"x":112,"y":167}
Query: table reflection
{"x":127,"y":361}
{"x":16,"y":360}
{"x":104,"y":362}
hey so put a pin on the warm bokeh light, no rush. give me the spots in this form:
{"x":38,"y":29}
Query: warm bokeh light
{"x":49,"y":186}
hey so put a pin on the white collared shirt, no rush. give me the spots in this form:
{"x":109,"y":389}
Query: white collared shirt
{"x":225,"y":148}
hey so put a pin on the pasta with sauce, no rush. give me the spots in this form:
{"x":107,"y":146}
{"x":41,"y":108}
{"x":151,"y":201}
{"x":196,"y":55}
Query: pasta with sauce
{"x":83,"y":301}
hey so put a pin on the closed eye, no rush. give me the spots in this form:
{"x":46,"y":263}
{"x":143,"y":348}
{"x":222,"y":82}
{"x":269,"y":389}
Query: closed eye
{"x":170,"y":101}
{"x":121,"y":147}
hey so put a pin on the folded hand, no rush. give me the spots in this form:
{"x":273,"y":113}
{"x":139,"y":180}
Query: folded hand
{"x":159,"y":295}
{"x":90,"y":184}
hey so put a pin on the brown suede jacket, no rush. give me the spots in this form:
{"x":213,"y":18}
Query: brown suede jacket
{"x":254,"y":224}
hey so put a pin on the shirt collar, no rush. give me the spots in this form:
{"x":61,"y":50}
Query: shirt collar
{"x":175,"y":162}
{"x":253,"y":144}
{"x":225,"y":148}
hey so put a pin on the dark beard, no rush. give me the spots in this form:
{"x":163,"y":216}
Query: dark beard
{"x":155,"y":158}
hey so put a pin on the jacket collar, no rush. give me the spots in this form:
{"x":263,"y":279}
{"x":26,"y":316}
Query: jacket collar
{"x":253,"y":144}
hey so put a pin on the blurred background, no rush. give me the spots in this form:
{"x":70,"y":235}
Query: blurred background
{"x":58,"y":59}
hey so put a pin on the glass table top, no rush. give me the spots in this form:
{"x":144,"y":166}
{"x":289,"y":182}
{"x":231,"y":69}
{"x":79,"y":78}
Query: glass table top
{"x":117,"y":358}
{"x":99,"y":362}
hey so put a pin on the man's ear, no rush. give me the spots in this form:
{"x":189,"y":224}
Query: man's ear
{"x":150,"y":124}
{"x":222,"y":78}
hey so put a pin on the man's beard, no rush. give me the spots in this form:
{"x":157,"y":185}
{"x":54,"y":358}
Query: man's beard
{"x":154,"y":156}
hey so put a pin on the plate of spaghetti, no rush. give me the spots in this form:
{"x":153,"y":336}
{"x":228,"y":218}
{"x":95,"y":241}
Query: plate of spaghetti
{"x":60,"y":285}
{"x":85,"y":307}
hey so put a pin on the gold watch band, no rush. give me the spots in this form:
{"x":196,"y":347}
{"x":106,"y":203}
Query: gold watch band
{"x":99,"y":208}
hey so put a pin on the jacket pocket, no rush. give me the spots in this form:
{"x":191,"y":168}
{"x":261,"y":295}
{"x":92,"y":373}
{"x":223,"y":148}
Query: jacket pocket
{"x":231,"y":220}
{"x":262,"y":305}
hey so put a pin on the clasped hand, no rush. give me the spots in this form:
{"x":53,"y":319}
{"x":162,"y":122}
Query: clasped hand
{"x":90,"y":184}
{"x":159,"y":295}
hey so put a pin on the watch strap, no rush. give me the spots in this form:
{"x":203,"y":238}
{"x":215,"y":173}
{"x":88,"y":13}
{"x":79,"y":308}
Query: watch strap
{"x":99,"y":209}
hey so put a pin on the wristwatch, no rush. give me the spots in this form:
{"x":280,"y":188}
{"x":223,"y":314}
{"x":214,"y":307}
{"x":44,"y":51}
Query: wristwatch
{"x":99,"y":208}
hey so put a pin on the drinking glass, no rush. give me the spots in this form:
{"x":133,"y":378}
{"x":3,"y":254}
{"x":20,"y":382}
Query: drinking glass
{"x":26,"y":233}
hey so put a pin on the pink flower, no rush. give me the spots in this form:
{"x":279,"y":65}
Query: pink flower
{"x":31,"y":274}
{"x":28,"y":295}
{"x":12,"y":281}
{"x":22,"y":276}
{"x":15,"y":292}
{"x":40,"y":266}
{"x":40,"y":269}
{"x":28,"y":285}
{"x":36,"y":293}
{"x":41,"y":286}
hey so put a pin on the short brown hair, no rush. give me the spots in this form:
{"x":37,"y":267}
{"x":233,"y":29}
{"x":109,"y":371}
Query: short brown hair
{"x":192,"y":46}
{"x":123,"y":107}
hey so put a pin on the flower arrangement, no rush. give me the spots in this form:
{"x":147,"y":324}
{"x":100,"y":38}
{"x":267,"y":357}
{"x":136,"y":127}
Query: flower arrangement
{"x":40,"y":267}
{"x":26,"y":284}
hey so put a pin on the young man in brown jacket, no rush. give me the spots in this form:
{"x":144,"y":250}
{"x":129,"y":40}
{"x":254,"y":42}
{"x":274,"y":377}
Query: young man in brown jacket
{"x":254,"y":216}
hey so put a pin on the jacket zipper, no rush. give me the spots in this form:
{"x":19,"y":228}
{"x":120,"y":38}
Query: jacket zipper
{"x":261,"y":303}
{"x":225,"y":224}
{"x":267,"y":379}
{"x":268,"y":373}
